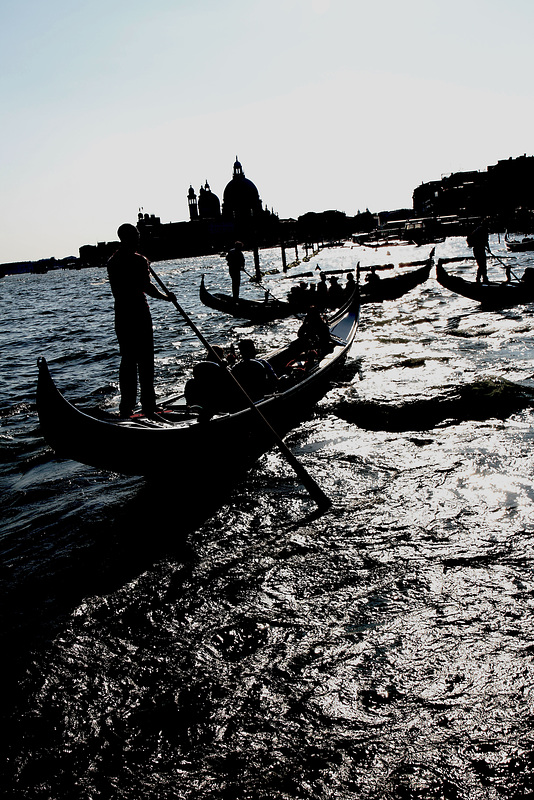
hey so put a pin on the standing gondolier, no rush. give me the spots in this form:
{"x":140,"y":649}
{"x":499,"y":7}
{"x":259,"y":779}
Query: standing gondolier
{"x":478,"y":240}
{"x":129,"y":278}
{"x":236,"y":263}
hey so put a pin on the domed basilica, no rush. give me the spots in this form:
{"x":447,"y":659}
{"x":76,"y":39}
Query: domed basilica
{"x":241,"y":200}
{"x":211,"y":228}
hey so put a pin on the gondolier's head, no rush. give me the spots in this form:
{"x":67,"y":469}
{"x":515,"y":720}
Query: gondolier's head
{"x":128,"y":234}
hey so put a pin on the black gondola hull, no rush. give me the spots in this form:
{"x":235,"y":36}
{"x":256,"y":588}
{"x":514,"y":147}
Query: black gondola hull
{"x":395,"y":287}
{"x":258,"y":311}
{"x":183,"y":445}
{"x":261,"y":312}
{"x":492,"y":295}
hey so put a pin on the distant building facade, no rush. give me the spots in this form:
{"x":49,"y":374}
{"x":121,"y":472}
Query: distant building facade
{"x":504,"y":192}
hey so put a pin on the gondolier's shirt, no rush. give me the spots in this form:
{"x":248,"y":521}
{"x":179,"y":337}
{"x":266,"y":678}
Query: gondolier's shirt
{"x":236,"y":261}
{"x":129,"y":278}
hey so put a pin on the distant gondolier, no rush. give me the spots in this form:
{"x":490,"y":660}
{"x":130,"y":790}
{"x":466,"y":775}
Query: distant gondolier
{"x":372,"y":278}
{"x":236,"y":263}
{"x":478,"y":240}
{"x":129,"y":278}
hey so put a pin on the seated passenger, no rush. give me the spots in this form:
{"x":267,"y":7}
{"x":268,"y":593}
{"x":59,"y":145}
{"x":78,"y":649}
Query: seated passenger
{"x":350,"y":286}
{"x":372,"y":278}
{"x":321,"y":291}
{"x":255,"y":375}
{"x":311,"y":295}
{"x":210,"y":387}
{"x":314,"y":333}
{"x":335,"y":293}
{"x":297,"y":295}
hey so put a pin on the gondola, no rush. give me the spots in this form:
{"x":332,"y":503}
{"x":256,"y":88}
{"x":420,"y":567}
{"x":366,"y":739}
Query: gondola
{"x":396,"y":286}
{"x":263,"y":311}
{"x":258,"y":311}
{"x":180,"y":442}
{"x":519,"y":245}
{"x":490,"y":295}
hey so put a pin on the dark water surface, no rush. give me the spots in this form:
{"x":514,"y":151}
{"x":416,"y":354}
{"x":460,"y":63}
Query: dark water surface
{"x":232,"y":646}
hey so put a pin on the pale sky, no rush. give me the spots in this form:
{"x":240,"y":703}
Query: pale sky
{"x":112,"y":105}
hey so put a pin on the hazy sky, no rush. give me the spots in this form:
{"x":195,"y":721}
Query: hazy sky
{"x":112,"y":105}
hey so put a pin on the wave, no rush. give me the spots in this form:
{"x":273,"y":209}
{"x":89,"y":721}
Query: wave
{"x":480,"y":400}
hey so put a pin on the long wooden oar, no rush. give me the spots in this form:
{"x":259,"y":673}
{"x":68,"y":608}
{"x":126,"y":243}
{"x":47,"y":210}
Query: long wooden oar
{"x":260,"y":284}
{"x":315,"y":491}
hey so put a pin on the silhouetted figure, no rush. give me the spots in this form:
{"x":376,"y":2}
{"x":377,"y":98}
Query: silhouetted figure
{"x":298,"y":295}
{"x":236,"y":263}
{"x":211,"y":388}
{"x":314,"y":333}
{"x":321,"y":291}
{"x":372,"y":278}
{"x":129,"y":278}
{"x":335,"y":293}
{"x":350,"y":286}
{"x":255,"y":375}
{"x":478,"y":240}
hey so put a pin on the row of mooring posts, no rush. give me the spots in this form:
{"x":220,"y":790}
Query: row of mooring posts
{"x":283,"y":245}
{"x":307,"y":247}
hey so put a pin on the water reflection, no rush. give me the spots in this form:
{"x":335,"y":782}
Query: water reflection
{"x":382,"y":650}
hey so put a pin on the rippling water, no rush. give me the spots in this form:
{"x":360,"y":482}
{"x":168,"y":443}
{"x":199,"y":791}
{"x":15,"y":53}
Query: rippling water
{"x":237,"y":647}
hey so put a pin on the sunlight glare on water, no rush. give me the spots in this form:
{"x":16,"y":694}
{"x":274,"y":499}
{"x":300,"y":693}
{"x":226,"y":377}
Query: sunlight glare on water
{"x":254,"y":649}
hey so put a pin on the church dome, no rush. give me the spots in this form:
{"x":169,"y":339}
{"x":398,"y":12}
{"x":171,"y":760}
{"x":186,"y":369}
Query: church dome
{"x":241,"y":198}
{"x":209,"y":206}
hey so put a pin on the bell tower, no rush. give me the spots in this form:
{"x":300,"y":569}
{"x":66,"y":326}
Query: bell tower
{"x":192,"y":203}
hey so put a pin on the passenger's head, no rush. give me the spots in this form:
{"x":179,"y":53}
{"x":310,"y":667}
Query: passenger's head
{"x":128,"y":234}
{"x":218,"y":351}
{"x":247,"y":348}
{"x":313,"y":313}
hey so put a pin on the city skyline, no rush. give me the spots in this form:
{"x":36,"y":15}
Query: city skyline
{"x":329,"y":104}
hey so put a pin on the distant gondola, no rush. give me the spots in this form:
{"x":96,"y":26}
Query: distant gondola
{"x":396,"y":286}
{"x":258,"y":311}
{"x":519,"y":245}
{"x":490,"y":295}
{"x":180,"y":443}
{"x":263,"y":311}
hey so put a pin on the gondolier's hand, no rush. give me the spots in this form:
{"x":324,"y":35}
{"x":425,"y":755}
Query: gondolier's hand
{"x":171,"y":297}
